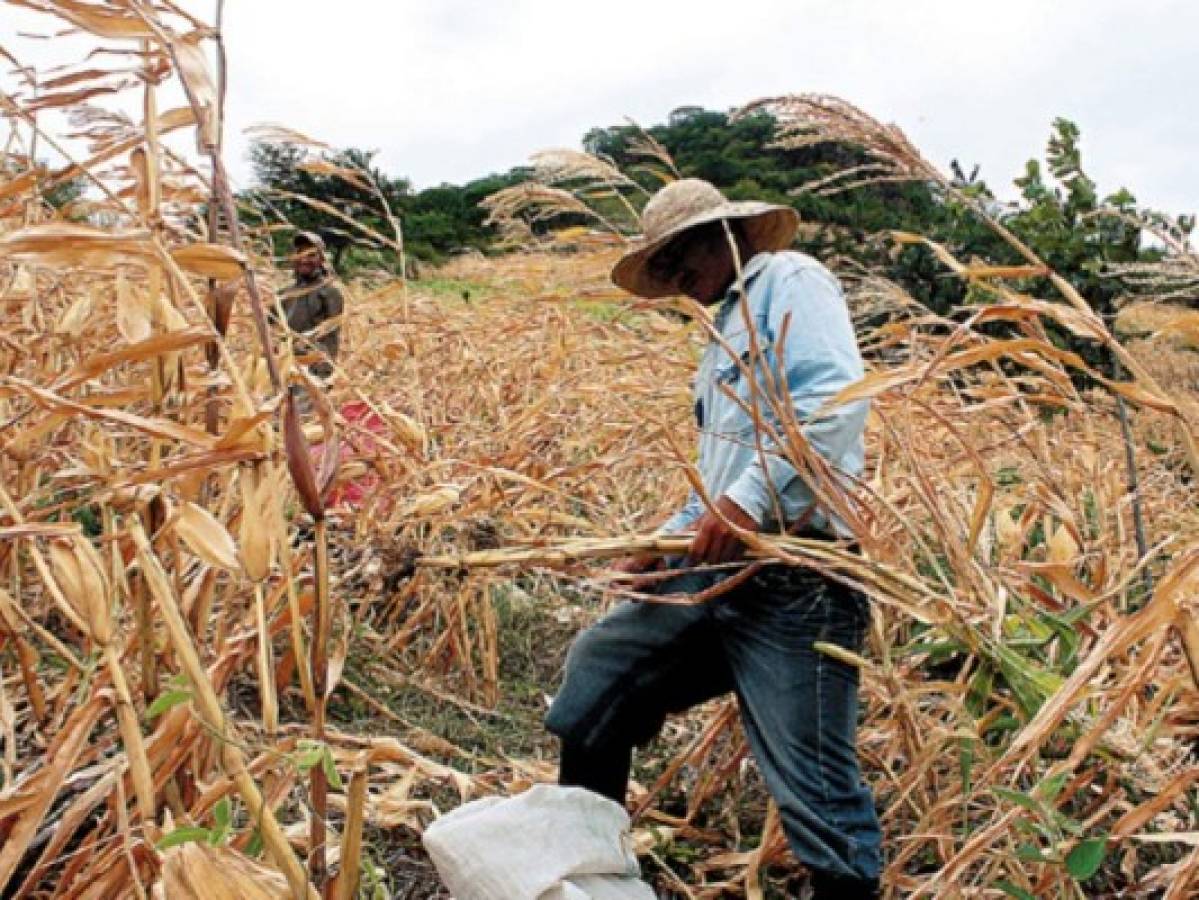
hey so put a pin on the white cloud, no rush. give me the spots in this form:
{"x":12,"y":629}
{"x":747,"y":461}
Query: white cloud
{"x":449,"y":90}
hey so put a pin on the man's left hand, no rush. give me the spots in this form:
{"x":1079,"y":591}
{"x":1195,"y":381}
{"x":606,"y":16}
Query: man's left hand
{"x":714,"y":541}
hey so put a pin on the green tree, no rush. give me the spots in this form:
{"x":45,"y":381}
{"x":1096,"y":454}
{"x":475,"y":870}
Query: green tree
{"x":322,"y":194}
{"x":1061,"y":216}
{"x":447,"y":219}
{"x":341,"y":195}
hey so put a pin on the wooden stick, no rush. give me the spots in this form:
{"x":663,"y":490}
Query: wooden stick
{"x":320,"y":680}
{"x":351,"y":840}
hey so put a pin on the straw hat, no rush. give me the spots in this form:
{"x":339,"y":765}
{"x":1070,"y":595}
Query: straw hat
{"x":689,"y":202}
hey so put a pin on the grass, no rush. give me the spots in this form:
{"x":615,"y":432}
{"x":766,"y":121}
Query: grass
{"x":456,"y":288}
{"x":533,"y":644}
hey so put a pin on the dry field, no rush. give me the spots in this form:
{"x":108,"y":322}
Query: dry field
{"x":218,"y":678}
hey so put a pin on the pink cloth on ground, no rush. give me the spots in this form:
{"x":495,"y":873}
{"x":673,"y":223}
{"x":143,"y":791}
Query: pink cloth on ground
{"x":357,"y":443}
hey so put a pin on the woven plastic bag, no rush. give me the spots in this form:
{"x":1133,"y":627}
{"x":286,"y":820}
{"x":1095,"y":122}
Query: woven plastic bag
{"x":549,"y":843}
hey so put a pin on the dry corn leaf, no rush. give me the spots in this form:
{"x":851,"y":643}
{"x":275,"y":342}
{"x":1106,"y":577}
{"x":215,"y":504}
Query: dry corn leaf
{"x":195,"y":72}
{"x":1009,"y":535}
{"x":1061,"y":548}
{"x":206,"y":537}
{"x":1185,"y":327}
{"x":77,"y":77}
{"x":44,"y":785}
{"x":1026,"y":309}
{"x":162,"y":428}
{"x":248,"y":431}
{"x":431,"y":503}
{"x":324,"y":167}
{"x":174,"y":119}
{"x":135,"y":312}
{"x":38,"y":529}
{"x":1061,"y":576}
{"x":154,"y":345}
{"x":101,"y":20}
{"x":281,"y":134}
{"x":1035,"y":354}
{"x":80,"y":575}
{"x":67,"y":245}
{"x":19,"y":184}
{"x":981,"y":506}
{"x":257,"y":531}
{"x":72,"y":322}
{"x":31,"y":436}
{"x":60,"y":99}
{"x":1142,"y":397}
{"x":197,"y":870}
{"x":210,"y":260}
{"x":947,"y":258}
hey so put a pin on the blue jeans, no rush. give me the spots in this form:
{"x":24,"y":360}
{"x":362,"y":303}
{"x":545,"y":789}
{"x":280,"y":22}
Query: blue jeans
{"x":799,"y":706}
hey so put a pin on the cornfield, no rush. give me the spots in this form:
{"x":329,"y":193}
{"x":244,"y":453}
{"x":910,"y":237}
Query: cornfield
{"x":189,"y":598}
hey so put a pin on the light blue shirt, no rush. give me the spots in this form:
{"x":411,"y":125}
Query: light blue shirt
{"x":819,"y":356}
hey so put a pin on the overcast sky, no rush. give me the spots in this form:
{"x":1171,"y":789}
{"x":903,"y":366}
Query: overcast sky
{"x":449,"y":90}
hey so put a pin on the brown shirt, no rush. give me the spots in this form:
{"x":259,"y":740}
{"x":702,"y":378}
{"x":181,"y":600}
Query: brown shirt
{"x":308,"y":307}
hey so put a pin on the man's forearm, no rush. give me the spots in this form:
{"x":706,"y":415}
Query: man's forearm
{"x":331,"y":343}
{"x":766,"y":490}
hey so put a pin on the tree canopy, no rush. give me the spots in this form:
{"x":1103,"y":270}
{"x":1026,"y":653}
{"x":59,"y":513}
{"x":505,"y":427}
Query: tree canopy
{"x":1060,"y":213}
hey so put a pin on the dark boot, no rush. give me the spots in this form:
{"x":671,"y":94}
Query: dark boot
{"x":606,"y":772}
{"x":827,"y":886}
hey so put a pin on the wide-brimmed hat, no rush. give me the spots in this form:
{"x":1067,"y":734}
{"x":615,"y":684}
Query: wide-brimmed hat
{"x":685,"y":204}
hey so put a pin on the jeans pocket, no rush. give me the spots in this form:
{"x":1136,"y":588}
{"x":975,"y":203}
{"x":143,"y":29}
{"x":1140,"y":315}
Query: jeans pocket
{"x":801,"y":615}
{"x":858,"y":607}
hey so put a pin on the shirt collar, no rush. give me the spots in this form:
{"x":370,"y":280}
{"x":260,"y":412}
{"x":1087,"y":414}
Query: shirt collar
{"x":749,"y":272}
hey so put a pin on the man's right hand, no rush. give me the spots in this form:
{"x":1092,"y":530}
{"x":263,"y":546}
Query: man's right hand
{"x":635,"y":569}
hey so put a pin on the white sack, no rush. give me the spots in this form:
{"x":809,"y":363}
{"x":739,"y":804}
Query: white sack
{"x":549,"y":843}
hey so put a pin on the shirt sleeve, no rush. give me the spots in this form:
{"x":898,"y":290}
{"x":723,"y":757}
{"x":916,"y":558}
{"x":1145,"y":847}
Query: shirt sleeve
{"x":333,"y":303}
{"x":820,"y":356}
{"x":685,"y":517}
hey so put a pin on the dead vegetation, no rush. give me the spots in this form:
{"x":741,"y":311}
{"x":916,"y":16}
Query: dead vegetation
{"x":209,"y":661}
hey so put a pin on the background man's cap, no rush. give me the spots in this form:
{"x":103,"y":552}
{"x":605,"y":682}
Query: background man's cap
{"x":688,"y":203}
{"x":308,"y":239}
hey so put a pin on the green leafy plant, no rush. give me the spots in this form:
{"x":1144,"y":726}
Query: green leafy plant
{"x":218,"y":834}
{"x":310,"y":754}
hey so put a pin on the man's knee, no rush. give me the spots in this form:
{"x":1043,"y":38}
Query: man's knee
{"x":585,"y":650}
{"x":575,"y":705}
{"x":606,"y":698}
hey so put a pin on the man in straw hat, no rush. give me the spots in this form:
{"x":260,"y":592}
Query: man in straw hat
{"x":781,"y":337}
{"x":314,"y":300}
